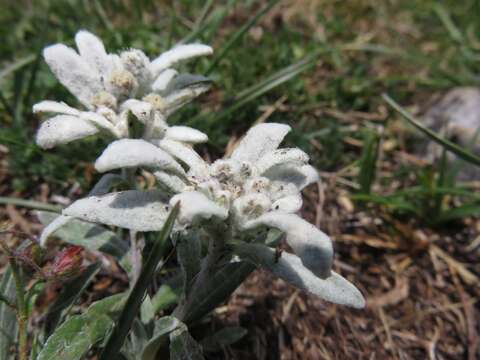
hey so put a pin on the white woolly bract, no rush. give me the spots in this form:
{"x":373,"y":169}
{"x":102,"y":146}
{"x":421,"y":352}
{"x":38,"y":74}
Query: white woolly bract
{"x":180,"y":97}
{"x":99,"y":121}
{"x":290,"y":268}
{"x":73,"y":72}
{"x":292,"y":156}
{"x":126,"y":153}
{"x":260,"y":140}
{"x":163,"y":80}
{"x":142,"y":110}
{"x":289,"y":204}
{"x":195,"y":205}
{"x":198,"y":167}
{"x":300,"y":176}
{"x":185,"y":134}
{"x":92,"y":50}
{"x":133,"y":209}
{"x":178,"y":53}
{"x":312,"y":246}
{"x":52,"y":227}
{"x":172,"y":182}
{"x":62,"y":129}
{"x":48,"y":106}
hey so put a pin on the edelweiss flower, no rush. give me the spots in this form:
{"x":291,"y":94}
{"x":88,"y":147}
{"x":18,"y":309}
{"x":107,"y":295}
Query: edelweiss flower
{"x":257,"y":186}
{"x":110,"y":86}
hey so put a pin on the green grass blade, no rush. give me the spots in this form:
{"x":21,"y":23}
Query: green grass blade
{"x":135,"y":299}
{"x":239,"y":34}
{"x":36,"y":205}
{"x":460,"y":212}
{"x":448,"y":145}
{"x":16,"y":65}
{"x":368,"y":161}
{"x":263,"y":87}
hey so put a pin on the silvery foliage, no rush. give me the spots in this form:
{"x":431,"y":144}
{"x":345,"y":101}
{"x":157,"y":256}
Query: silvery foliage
{"x":230,"y":202}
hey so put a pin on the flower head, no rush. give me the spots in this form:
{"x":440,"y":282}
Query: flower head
{"x":111,"y":86}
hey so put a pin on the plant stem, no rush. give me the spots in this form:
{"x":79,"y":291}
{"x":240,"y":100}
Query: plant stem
{"x":22,"y":310}
{"x":128,"y":175}
{"x":135,"y":257}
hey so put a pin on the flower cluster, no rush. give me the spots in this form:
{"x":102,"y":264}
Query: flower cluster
{"x":258,"y":186}
{"x":112,"y":86}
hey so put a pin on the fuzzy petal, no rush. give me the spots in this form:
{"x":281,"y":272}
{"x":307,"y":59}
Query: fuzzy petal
{"x":179,"y":98}
{"x":178,"y":53}
{"x":73,"y":72}
{"x":195,"y":205}
{"x":259,"y":141}
{"x":185,"y":134}
{"x":301,"y":176}
{"x":198,"y":167}
{"x":289,"y":267}
{"x":126,"y":153}
{"x":187,"y":81}
{"x":92,"y":50}
{"x":291,"y":156}
{"x":99,"y":121}
{"x":310,"y":244}
{"x":133,"y":209}
{"x":141,"y":109}
{"x":173,"y":183}
{"x":163,"y":80}
{"x":62,"y":129}
{"x":289,"y":204}
{"x":48,"y":106}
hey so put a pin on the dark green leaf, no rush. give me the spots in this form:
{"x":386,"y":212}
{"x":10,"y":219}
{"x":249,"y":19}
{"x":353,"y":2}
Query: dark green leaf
{"x":189,"y":252}
{"x":165,"y":296}
{"x":226,"y":336}
{"x":368,"y":161}
{"x":163,"y":327}
{"x":183,"y":346}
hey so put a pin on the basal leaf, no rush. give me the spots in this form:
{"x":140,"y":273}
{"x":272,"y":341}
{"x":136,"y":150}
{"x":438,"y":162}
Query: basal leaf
{"x":74,"y":338}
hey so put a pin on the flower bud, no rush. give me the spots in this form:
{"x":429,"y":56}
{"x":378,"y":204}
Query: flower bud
{"x":67,"y":263}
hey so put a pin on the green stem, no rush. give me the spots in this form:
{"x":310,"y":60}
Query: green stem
{"x":128,"y":175}
{"x":22,"y":311}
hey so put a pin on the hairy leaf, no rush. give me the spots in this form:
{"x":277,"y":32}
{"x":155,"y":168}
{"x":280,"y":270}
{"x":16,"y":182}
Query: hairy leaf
{"x":289,"y":267}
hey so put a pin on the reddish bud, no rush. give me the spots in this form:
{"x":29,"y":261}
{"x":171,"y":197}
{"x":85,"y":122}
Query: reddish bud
{"x":68,"y":262}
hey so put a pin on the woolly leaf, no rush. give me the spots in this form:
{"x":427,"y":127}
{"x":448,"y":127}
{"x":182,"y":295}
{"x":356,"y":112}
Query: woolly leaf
{"x":127,"y":153}
{"x":133,"y":209}
{"x":289,"y":267}
{"x":312,"y":246}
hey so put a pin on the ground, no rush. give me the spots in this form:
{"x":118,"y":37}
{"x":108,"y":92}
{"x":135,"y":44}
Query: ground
{"x":405,"y":234}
